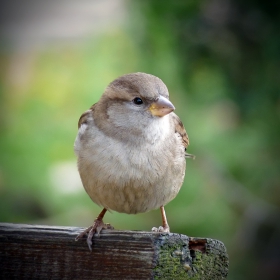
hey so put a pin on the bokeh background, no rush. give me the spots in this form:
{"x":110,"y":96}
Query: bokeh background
{"x":221,"y":62}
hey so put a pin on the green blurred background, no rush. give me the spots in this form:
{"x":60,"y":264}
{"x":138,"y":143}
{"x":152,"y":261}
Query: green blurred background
{"x":220,"y":60}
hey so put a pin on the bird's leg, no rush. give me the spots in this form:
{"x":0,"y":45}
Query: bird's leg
{"x":97,"y":226}
{"x":165,"y":227}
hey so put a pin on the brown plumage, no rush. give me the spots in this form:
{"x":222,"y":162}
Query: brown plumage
{"x":131,"y":149}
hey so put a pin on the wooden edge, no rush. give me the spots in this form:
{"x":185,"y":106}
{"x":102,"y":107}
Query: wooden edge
{"x":116,"y":254}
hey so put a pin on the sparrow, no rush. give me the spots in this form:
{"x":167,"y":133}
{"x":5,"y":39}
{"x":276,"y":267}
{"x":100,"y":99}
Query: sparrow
{"x":131,"y":150}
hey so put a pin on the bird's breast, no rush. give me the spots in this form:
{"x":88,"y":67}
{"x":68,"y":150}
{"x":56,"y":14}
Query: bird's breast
{"x":130,"y":178}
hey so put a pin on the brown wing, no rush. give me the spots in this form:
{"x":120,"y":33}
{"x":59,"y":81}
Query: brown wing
{"x":180,"y":129}
{"x":84,"y":116}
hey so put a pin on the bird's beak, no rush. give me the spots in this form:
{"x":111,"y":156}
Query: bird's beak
{"x":161,"y":107}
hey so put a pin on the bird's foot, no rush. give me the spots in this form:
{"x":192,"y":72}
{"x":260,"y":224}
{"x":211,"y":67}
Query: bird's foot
{"x":161,"y":229}
{"x":97,"y":226}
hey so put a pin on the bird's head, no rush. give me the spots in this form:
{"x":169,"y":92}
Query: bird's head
{"x":139,"y":93}
{"x":135,"y":101}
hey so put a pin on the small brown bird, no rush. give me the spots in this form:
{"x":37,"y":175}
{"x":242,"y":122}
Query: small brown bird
{"x":131,"y":149}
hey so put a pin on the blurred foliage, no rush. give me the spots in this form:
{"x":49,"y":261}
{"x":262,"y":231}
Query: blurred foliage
{"x":221,"y":63}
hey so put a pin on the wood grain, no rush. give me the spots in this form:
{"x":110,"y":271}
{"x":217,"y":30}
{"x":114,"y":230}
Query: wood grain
{"x":48,"y":252}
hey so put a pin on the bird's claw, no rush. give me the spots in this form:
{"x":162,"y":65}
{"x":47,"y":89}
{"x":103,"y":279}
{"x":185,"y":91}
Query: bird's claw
{"x":97,"y":227}
{"x":161,"y":229}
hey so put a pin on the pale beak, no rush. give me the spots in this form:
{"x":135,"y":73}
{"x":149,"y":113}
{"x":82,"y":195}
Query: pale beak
{"x":161,"y":107}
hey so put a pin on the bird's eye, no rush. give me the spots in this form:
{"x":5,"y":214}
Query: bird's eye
{"x":137,"y":101}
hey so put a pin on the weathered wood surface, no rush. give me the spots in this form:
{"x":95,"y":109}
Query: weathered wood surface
{"x":45,"y":252}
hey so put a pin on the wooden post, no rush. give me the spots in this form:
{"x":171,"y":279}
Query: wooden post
{"x":49,"y":252}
